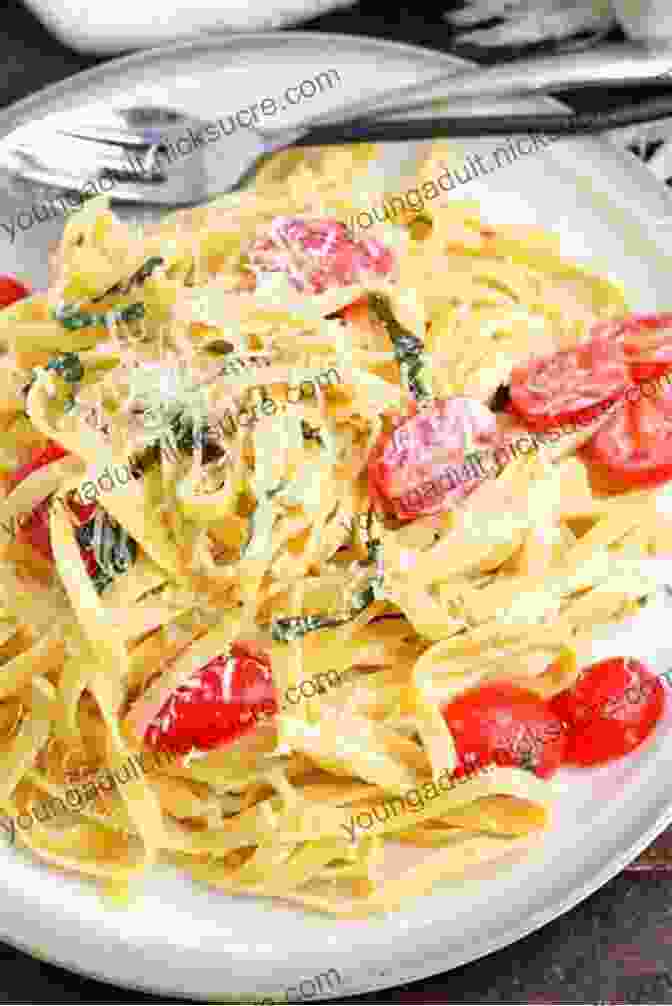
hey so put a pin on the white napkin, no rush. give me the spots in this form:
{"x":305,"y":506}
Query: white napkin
{"x":101,"y":26}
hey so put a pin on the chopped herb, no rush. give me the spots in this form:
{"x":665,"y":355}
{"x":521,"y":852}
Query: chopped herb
{"x":284,"y":630}
{"x":472,"y":466}
{"x":281,"y":486}
{"x":233,"y":366}
{"x":136,"y":279}
{"x":186,"y":432}
{"x":501,"y":398}
{"x":361,"y":600}
{"x":174,"y":410}
{"x":68,"y":366}
{"x":75,"y":322}
{"x":114,"y":549}
{"x":311,"y":432}
{"x":643,"y":601}
{"x":374,"y":591}
{"x":64,"y":311}
{"x":73,"y":318}
{"x":409,"y":350}
{"x":101,"y":580}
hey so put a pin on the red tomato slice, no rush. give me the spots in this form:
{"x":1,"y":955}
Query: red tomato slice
{"x":573,"y":385}
{"x":423,"y":466}
{"x":52,"y":452}
{"x":504,"y":724}
{"x":318,"y":254}
{"x":646,"y":340}
{"x":219,"y":704}
{"x":611,"y":709}
{"x":634,"y":446}
{"x":33,"y":529}
{"x":11,"y":290}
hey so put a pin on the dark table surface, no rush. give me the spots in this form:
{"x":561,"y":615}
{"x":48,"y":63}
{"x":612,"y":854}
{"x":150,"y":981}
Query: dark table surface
{"x":616,"y":947}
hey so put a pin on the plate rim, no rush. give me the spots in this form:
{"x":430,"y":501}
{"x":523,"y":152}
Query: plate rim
{"x":612,"y":869}
{"x":217,"y":40}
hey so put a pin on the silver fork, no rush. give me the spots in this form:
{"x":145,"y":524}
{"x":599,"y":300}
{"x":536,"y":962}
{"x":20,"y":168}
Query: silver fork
{"x":133,"y":150}
{"x":126,"y":150}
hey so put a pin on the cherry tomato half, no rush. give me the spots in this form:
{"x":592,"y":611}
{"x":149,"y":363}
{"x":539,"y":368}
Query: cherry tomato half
{"x":11,"y":290}
{"x":317,"y":254}
{"x":646,"y":340}
{"x":571,"y":386}
{"x":33,"y":528}
{"x":612,"y":708}
{"x":504,"y":724}
{"x":634,"y":446}
{"x":219,"y":704}
{"x":430,"y":460}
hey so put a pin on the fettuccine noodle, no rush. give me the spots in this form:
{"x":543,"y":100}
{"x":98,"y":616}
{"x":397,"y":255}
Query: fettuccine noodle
{"x":272,"y":524}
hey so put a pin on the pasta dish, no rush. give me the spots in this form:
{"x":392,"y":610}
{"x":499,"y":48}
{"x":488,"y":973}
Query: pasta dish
{"x":306,"y":536}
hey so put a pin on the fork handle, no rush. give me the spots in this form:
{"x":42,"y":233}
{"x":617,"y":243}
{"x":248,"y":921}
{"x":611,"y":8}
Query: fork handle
{"x":558,"y":123}
{"x":616,"y":64}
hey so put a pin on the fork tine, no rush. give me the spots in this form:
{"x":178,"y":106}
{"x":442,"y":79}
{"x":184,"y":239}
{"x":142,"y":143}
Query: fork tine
{"x":155,"y":190}
{"x":86,"y":157}
{"x":60,"y":159}
{"x":157,"y":173}
{"x":115,"y":137}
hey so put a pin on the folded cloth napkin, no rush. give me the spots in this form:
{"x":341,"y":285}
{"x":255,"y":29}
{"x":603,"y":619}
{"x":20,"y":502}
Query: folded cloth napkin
{"x":100,"y":26}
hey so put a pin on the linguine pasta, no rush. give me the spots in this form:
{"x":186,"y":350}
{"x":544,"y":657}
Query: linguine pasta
{"x":233,"y":472}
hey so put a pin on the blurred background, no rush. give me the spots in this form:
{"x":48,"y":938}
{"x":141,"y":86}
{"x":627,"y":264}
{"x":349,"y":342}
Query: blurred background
{"x":46,"y":40}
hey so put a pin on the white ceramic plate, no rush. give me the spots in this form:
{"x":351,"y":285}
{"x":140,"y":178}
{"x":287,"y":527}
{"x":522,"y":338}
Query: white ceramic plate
{"x":99,"y":26}
{"x":186,"y":941}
